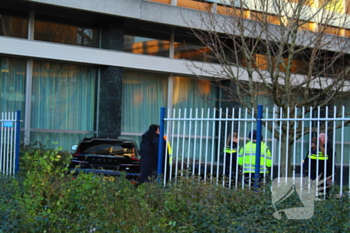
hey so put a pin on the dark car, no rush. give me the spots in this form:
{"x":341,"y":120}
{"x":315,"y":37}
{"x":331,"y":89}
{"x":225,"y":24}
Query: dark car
{"x":106,"y":156}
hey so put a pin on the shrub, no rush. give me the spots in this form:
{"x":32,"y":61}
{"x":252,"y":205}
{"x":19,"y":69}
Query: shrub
{"x":47,"y":198}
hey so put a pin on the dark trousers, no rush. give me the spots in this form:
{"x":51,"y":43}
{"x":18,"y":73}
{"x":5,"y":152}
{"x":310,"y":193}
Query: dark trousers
{"x":229,"y":164}
{"x":249,"y":179}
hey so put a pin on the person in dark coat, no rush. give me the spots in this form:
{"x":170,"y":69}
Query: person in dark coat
{"x":149,"y":153}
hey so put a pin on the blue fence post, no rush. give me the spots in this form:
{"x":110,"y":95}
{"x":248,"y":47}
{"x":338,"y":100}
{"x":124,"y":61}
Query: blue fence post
{"x":160,"y":144}
{"x":18,"y":135}
{"x":258,"y":146}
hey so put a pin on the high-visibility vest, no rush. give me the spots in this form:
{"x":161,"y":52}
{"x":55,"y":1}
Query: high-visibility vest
{"x":170,"y":152}
{"x":246,"y":158}
{"x":320,"y":156}
{"x":230,"y":150}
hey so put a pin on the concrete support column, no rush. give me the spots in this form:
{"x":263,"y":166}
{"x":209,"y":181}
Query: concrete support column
{"x":109,"y":105}
{"x":28,"y":107}
{"x":171,"y":77}
{"x":29,"y":77}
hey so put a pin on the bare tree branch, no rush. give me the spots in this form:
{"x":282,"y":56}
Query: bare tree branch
{"x":294,"y":53}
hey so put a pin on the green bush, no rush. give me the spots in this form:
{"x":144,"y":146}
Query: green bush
{"x":44,"y":197}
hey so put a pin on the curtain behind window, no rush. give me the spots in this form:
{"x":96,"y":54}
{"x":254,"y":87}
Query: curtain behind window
{"x":143,"y":96}
{"x":63,"y":98}
{"x":12,"y":85}
{"x":196,"y":96}
{"x":193,"y":93}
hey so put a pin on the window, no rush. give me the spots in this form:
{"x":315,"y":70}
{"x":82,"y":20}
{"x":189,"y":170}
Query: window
{"x":13,"y":24}
{"x":63,"y":98}
{"x":12,"y":85}
{"x":193,"y":93}
{"x":143,"y":96}
{"x":149,"y":46}
{"x":59,"y":31}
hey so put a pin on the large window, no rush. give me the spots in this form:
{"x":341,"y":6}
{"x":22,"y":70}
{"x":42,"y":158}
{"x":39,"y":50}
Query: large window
{"x":143,"y":96}
{"x":193,"y":93}
{"x":194,"y":53}
{"x":149,"y":46}
{"x":59,"y":31}
{"x":145,"y":93}
{"x":12,"y":85}
{"x":63,"y":99}
{"x":192,"y":98}
{"x":13,"y":24}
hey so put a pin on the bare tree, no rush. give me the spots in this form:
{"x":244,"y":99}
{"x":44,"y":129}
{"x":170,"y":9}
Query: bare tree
{"x":294,"y":52}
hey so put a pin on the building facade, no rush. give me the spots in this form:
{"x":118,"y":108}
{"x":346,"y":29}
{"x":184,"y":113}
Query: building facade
{"x":79,"y":67}
{"x":76,"y":67}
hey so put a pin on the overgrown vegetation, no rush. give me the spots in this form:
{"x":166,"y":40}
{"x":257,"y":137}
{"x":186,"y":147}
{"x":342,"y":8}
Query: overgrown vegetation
{"x":45,"y":198}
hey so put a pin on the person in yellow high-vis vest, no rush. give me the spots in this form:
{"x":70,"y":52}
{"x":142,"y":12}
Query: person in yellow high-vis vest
{"x":319,"y":162}
{"x":247,"y":156}
{"x":231,"y":154}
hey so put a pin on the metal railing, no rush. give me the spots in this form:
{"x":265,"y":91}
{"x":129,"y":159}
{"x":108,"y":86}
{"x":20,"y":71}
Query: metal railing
{"x":9,"y":142}
{"x":199,"y":137}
